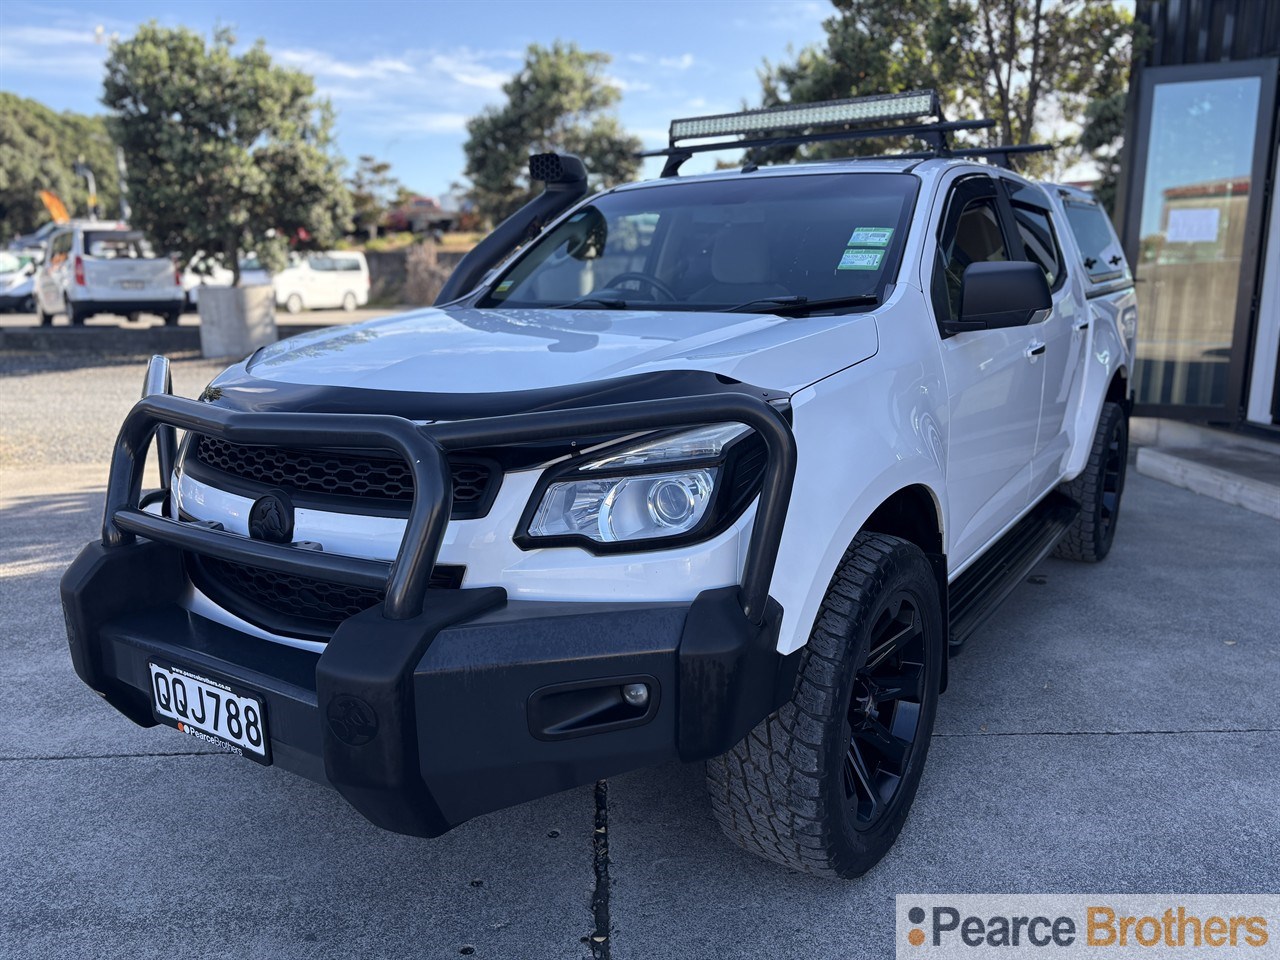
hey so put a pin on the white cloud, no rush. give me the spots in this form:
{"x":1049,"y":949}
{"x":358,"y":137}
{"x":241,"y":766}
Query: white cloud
{"x":441,"y":121}
{"x":467,"y":68}
{"x":49,"y":36}
{"x":323,"y":65}
{"x":682,"y":62}
{"x":628,"y":86}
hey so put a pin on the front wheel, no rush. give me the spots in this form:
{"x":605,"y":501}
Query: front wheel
{"x":1098,"y":490}
{"x":349,"y":302}
{"x":293,"y":304}
{"x":824,"y":785}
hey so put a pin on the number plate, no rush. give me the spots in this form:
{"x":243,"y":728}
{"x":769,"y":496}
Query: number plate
{"x":210,"y":711}
{"x":132,"y":284}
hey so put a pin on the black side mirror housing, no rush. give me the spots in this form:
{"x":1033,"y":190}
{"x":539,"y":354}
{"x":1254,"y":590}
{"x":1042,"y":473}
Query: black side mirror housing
{"x":1008,"y":293}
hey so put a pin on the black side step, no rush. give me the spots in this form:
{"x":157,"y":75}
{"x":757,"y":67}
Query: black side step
{"x":978,"y":591}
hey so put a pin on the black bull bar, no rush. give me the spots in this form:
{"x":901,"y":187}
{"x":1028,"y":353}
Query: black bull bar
{"x":424,"y":448}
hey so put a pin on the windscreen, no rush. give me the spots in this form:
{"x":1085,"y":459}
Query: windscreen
{"x":117,"y":245}
{"x":720,"y":244}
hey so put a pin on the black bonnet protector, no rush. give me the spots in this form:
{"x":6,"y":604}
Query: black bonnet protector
{"x":243,"y":391}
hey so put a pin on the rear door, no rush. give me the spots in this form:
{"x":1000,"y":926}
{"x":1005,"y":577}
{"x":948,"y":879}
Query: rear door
{"x":993,"y":380}
{"x":120,"y":265}
{"x":1060,"y":336}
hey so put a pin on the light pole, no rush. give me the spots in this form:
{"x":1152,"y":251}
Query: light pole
{"x":82,"y":169}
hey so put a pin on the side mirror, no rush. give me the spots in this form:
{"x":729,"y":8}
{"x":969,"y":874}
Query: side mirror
{"x":1001,"y":294}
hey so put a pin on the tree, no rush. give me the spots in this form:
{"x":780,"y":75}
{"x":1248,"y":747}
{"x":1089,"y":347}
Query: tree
{"x":226,"y":152}
{"x":1030,"y":65}
{"x":560,"y":100}
{"x":373,"y":189}
{"x":38,"y":149}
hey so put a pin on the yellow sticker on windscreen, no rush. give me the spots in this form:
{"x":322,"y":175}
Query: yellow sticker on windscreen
{"x":860,"y":260}
{"x":871,"y":237}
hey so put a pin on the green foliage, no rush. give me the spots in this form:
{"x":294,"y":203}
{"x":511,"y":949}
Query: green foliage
{"x":559,"y":100}
{"x":37,"y":150}
{"x":226,"y":152}
{"x":1027,"y":64}
{"x":373,"y":189}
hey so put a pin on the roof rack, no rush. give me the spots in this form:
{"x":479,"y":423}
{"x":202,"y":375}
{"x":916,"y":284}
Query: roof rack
{"x":920,"y":113}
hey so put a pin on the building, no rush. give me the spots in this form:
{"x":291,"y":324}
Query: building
{"x":1197,"y":212}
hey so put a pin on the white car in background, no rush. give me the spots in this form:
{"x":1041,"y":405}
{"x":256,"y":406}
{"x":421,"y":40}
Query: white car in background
{"x":102,"y":266}
{"x":323,"y":280}
{"x":17,"y":275}
{"x":204,"y":271}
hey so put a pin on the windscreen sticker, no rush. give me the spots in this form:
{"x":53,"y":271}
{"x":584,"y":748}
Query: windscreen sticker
{"x":854,"y":259}
{"x":870,"y":237}
{"x":504,"y":286}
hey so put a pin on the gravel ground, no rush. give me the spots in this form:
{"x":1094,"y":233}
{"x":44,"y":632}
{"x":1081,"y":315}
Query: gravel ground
{"x":59,"y":411}
{"x":1112,"y":728}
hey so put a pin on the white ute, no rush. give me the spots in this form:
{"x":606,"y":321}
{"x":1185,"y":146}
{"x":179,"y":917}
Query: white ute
{"x":718,"y":468}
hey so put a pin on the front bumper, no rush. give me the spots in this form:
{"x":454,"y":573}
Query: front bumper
{"x":476,"y":704}
{"x":434,"y":707}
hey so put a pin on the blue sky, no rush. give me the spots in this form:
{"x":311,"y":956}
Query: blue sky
{"x":404,"y":77}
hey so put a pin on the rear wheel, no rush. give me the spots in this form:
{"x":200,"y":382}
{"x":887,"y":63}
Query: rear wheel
{"x":293,"y":304}
{"x":133,"y":316}
{"x":824,"y":785}
{"x":1098,"y":490}
{"x":46,"y":319}
{"x":74,"y":316}
{"x":171,"y":319}
{"x":349,"y":302}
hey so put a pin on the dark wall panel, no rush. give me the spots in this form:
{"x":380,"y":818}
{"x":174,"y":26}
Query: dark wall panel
{"x":1206,"y":31}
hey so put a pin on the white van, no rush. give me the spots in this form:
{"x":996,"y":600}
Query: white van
{"x":102,"y":266}
{"x":315,"y":281}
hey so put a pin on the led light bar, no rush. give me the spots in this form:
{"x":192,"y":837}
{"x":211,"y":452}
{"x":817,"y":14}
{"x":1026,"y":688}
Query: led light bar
{"x":828,"y":113}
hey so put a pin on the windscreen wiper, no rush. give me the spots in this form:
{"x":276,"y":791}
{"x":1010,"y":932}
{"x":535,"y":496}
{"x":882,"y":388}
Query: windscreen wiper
{"x":593,"y":300}
{"x":802,"y":304}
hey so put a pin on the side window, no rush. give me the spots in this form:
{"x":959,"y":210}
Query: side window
{"x":970,"y":235}
{"x":59,"y":248}
{"x":1103,"y":258}
{"x":1038,"y":240}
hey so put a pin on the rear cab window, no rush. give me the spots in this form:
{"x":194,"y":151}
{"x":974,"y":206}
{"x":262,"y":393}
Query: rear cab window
{"x":1103,"y":259}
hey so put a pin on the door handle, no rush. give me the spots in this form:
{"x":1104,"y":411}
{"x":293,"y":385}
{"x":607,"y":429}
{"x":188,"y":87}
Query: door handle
{"x":1082,"y":325}
{"x":1036,"y":349}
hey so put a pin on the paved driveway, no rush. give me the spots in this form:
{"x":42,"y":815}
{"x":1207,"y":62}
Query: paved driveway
{"x":1114,"y":728}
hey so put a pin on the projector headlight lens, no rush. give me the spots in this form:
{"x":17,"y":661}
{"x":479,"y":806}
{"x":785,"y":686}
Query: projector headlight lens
{"x":658,"y":488}
{"x":616,"y":509}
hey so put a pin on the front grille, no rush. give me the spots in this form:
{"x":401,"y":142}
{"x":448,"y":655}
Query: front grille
{"x":288,"y":603}
{"x":368,"y":475}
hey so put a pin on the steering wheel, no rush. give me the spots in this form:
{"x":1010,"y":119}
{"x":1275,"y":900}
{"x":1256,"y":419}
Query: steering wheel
{"x":652,"y":282}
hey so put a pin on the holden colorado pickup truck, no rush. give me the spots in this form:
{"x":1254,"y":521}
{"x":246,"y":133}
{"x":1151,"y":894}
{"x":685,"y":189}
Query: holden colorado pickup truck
{"x":713,"y":468}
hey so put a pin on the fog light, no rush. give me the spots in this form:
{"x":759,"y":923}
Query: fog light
{"x":636,"y":694}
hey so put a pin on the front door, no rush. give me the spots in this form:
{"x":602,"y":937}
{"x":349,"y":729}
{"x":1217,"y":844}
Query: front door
{"x":994,"y":381}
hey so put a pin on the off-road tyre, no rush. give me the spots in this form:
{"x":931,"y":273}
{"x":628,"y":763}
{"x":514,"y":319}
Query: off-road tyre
{"x":786,"y":791}
{"x":1098,"y":490}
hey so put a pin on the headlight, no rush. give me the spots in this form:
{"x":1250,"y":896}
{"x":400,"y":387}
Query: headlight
{"x":657,"y":490}
{"x":625,"y":508}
